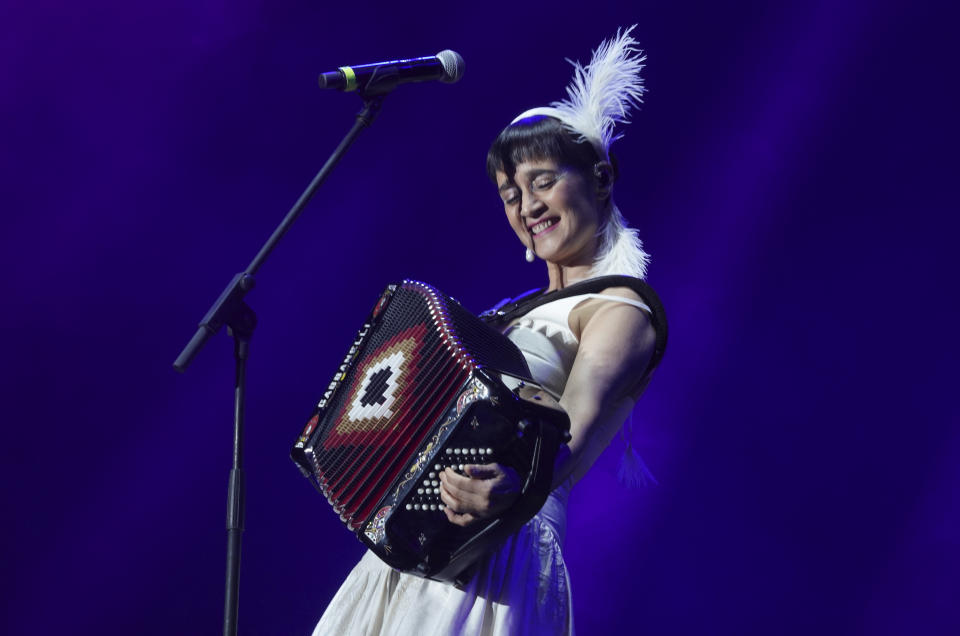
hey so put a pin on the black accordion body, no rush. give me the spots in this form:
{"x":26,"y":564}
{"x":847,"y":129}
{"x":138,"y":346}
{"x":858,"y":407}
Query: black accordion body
{"x":422,"y":388}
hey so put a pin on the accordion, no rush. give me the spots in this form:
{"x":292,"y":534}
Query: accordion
{"x":424,"y":386}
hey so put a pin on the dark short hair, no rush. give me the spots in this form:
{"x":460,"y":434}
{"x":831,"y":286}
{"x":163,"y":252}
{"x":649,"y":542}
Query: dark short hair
{"x":539,"y":137}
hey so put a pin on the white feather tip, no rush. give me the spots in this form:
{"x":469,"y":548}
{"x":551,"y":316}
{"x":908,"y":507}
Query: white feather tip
{"x":602,"y":93}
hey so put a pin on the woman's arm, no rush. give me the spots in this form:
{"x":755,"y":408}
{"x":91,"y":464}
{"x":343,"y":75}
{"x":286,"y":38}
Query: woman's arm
{"x":615,"y":345}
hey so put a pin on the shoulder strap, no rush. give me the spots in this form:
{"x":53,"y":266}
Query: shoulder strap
{"x":509,"y":310}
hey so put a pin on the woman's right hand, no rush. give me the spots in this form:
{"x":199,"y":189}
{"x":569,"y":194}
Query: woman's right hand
{"x":484,"y":491}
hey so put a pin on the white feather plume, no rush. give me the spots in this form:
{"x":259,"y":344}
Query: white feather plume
{"x":601,"y":94}
{"x":621,"y":250}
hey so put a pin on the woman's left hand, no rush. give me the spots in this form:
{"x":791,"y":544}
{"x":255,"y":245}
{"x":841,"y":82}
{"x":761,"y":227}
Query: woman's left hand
{"x":484,"y":491}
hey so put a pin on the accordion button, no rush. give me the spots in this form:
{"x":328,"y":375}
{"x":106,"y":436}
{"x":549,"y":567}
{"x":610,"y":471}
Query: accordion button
{"x":434,"y":483}
{"x":481,"y":451}
{"x":416,"y":506}
{"x":436,"y":491}
{"x":432,"y":475}
{"x":433,"y":506}
{"x":449,"y":451}
{"x":489,"y":451}
{"x":419,"y":491}
{"x":459,"y":466}
{"x":456,"y":451}
{"x":473,"y":451}
{"x":409,"y":507}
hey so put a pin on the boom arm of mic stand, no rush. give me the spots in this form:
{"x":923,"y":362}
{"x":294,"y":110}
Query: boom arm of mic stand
{"x":227,"y":308}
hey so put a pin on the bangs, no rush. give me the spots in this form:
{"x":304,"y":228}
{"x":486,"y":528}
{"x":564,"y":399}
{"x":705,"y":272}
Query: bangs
{"x":537,"y":138}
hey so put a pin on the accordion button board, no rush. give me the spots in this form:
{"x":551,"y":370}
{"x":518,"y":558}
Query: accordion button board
{"x":420,"y":390}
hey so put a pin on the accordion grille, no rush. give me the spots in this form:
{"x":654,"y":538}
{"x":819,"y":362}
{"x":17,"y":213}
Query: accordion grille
{"x":389,"y":400}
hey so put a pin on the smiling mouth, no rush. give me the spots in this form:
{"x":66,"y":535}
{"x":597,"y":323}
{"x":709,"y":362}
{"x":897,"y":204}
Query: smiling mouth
{"x":543,"y":226}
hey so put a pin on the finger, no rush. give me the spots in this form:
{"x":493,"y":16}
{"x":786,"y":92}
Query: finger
{"x":482,"y":471}
{"x":452,"y":503}
{"x":451,"y":515}
{"x":455,"y":501}
{"x":464,"y":489}
{"x":463,"y":485}
{"x":461,"y":501}
{"x":452,"y":508}
{"x":455,"y":481}
{"x":459,"y":519}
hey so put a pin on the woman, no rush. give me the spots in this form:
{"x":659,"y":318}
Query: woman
{"x":592,"y":351}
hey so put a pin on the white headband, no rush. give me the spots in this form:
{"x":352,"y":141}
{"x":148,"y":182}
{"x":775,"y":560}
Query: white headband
{"x":600,"y":95}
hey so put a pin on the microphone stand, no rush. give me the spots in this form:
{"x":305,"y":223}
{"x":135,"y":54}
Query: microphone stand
{"x":231,"y":310}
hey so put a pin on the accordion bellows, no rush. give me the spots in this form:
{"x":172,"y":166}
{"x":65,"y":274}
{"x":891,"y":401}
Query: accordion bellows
{"x":421,"y":389}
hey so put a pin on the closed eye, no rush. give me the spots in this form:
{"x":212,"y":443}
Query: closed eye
{"x":544,"y":182}
{"x":510,"y":197}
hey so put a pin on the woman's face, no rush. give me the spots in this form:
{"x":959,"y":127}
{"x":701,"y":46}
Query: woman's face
{"x":555,"y":210}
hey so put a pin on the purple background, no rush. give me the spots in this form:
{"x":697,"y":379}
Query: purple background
{"x":788,"y":172}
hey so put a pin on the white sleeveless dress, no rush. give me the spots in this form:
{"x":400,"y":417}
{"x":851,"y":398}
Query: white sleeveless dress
{"x":523,"y":587}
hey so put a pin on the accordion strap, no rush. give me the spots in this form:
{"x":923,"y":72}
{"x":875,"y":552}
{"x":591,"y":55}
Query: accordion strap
{"x":509,"y":309}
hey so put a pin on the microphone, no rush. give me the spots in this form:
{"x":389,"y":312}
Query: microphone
{"x":381,"y":77}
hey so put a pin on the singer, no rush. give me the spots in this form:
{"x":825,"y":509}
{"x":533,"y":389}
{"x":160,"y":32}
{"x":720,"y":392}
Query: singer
{"x":594,"y":351}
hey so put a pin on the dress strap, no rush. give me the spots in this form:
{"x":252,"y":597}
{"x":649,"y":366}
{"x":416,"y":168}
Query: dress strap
{"x":620,"y":299}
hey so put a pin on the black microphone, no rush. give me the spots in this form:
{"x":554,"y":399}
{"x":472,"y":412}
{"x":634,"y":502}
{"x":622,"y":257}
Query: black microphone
{"x":380,"y":77}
